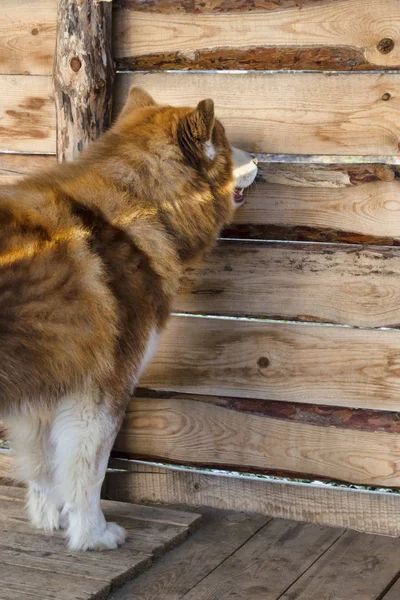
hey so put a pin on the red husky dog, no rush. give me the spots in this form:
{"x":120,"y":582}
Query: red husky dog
{"x":91,"y":254}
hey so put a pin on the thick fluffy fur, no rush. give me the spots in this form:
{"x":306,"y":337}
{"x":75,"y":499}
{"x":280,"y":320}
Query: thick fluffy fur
{"x":91,"y":255}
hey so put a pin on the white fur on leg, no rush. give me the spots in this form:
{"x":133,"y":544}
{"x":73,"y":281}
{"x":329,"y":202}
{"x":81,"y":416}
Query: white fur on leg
{"x":42,"y":507}
{"x":83,"y":433}
{"x":30,"y":438}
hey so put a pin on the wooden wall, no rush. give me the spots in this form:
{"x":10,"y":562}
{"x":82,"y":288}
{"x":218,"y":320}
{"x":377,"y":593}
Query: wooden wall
{"x":307,"y":381}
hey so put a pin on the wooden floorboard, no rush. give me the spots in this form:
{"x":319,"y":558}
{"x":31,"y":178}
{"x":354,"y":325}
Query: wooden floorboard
{"x":37,"y":565}
{"x":357,"y":567}
{"x":221,"y":533}
{"x":231,"y":557}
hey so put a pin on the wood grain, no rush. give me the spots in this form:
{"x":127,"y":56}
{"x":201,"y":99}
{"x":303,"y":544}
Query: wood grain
{"x":183,"y":431}
{"x":356,"y":566}
{"x":288,"y":112}
{"x":206,"y":6}
{"x":15,"y":166}
{"x":267,"y":564}
{"x":278,"y":361}
{"x":347,"y":285}
{"x":27,"y":36}
{"x":27,"y":114}
{"x":312,"y":35}
{"x":220,"y":535}
{"x":372,"y":512}
{"x":367,"y":214}
{"x":39,"y":565}
{"x":83,"y":74}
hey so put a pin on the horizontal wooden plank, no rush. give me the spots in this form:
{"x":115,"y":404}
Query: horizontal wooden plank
{"x":284,"y":210}
{"x":27,"y":36}
{"x":27,"y":114}
{"x":278,"y":361}
{"x":372,"y":512}
{"x":15,"y":166}
{"x":207,"y":6}
{"x":298,"y":282}
{"x":295,"y":113}
{"x":312,"y":35}
{"x":192,"y":432}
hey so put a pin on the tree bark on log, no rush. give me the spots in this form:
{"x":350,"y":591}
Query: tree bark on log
{"x":83,"y":74}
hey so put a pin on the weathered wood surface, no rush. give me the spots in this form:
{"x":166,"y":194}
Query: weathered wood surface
{"x":372,"y":512}
{"x":361,"y":214}
{"x":278,"y":361}
{"x":55,"y":573}
{"x":289,"y":112}
{"x":306,"y":34}
{"x":259,"y":568}
{"x":215,"y":434}
{"x":218,"y":537}
{"x":27,"y":114}
{"x":312,"y":35}
{"x":298,"y":282}
{"x":268,"y":564}
{"x":27,"y":36}
{"x":83,"y":74}
{"x":15,"y":166}
{"x":356,"y":566}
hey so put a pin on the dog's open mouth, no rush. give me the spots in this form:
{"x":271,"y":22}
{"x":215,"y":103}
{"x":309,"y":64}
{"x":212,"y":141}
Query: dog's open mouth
{"x":238,"y":195}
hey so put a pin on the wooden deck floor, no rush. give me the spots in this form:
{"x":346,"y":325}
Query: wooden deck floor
{"x":229,"y":555}
{"x":240,"y":557}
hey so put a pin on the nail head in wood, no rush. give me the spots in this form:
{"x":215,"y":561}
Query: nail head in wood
{"x":386,"y":97}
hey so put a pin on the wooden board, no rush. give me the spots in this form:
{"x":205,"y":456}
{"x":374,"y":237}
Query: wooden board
{"x":348,"y":285}
{"x":27,"y":36}
{"x":314,"y":35}
{"x":278,"y":361}
{"x":55,"y":573}
{"x":27,"y":114}
{"x":299,"y":113}
{"x":366,"y":214}
{"x":393,"y":593}
{"x":369,"y":511}
{"x":268,"y":564}
{"x":219,"y":536}
{"x":218,"y":434}
{"x":356,"y":566}
{"x":15,"y":166}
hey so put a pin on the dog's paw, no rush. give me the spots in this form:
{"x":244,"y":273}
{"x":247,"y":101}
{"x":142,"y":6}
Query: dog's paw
{"x":109,"y":538}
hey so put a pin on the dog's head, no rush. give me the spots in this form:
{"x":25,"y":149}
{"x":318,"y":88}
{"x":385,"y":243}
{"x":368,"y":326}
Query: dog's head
{"x":201,"y":177}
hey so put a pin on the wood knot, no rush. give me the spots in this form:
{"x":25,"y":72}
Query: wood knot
{"x":35,"y":31}
{"x":385,"y":46}
{"x":75,"y":64}
{"x":386,"y":97}
{"x":263,"y":362}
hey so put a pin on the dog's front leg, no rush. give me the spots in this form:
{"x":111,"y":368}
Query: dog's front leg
{"x":83,"y":433}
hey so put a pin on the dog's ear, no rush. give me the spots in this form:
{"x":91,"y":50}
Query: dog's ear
{"x":138,"y":98}
{"x":195,"y":133}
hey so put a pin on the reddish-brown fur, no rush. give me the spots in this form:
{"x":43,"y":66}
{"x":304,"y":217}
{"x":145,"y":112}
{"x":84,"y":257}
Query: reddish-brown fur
{"x":91,"y":253}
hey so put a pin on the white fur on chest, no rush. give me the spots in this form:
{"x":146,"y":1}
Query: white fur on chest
{"x":151,"y":349}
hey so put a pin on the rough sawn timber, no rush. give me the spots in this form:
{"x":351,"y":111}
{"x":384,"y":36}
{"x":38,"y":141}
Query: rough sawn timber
{"x":314,"y":364}
{"x":249,"y":35}
{"x":249,"y":436}
{"x":292,"y":113}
